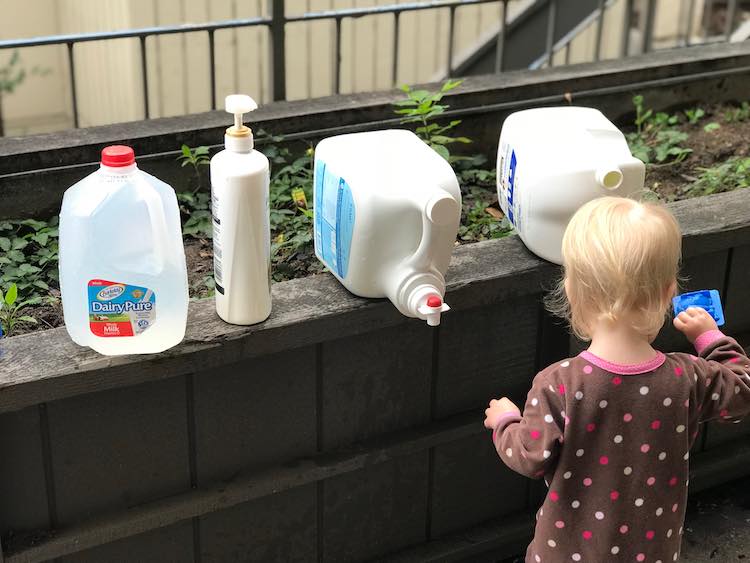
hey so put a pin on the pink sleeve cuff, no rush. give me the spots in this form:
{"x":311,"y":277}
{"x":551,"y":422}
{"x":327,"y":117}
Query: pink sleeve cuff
{"x":504,"y":420}
{"x":706,"y":339}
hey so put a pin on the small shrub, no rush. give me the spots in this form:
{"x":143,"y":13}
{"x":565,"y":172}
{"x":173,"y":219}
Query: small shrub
{"x":739,"y":114}
{"x":195,"y":208}
{"x":727,"y":176}
{"x":694,"y":115}
{"x":424,"y":107}
{"x":29,"y":258}
{"x":11,"y":310}
{"x":196,"y":158}
{"x":656,"y":140}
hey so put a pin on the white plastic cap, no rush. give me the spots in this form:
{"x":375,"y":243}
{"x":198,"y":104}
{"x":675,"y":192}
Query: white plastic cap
{"x":239,"y":104}
{"x":428,"y":304}
{"x":432,"y":309}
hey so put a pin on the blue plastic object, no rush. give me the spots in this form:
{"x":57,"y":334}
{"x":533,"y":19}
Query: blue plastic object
{"x":707,"y":299}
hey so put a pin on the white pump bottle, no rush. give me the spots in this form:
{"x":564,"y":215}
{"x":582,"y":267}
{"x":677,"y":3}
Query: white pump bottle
{"x":241,"y":226}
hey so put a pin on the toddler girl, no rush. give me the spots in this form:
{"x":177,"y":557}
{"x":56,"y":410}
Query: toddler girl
{"x":610,"y":430}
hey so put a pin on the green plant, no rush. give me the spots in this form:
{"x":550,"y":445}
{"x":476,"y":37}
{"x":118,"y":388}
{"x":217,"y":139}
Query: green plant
{"x":741,"y":113}
{"x":713,"y":126}
{"x":291,"y":211}
{"x":196,"y":214}
{"x":196,"y":158}
{"x":656,"y":139}
{"x":729,"y":175}
{"x":29,"y":258}
{"x":10,"y":310}
{"x":204,"y":287}
{"x":480,"y":221}
{"x":424,"y":107}
{"x":694,"y":115}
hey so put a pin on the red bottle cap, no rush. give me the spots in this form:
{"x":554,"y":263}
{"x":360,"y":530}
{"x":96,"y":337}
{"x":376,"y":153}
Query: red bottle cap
{"x":117,"y":156}
{"x":434,"y":301}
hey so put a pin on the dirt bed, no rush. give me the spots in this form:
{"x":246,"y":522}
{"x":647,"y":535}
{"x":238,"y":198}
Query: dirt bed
{"x":709,"y":148}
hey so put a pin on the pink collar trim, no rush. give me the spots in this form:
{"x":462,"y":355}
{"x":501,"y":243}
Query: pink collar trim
{"x":625,"y":369}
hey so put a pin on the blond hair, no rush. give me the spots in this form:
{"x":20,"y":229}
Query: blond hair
{"x":620,"y":258}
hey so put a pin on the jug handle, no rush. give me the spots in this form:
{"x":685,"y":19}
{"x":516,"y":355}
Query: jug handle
{"x":439,"y":211}
{"x":159,"y":230}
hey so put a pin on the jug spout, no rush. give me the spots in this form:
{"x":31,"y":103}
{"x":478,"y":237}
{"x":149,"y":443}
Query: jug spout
{"x":609,"y":176}
{"x":427,"y":304}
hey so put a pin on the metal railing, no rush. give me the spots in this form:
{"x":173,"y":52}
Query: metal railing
{"x":276,"y":22}
{"x":597,"y":18}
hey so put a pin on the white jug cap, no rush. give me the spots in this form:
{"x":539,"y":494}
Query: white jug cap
{"x":432,"y":308}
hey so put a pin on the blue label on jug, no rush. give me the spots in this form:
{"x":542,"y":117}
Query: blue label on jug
{"x":511,"y":185}
{"x":508,"y":196}
{"x":334,"y":219}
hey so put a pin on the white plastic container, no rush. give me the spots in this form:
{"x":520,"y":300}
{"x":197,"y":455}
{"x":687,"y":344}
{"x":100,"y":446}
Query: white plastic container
{"x":387,"y":209}
{"x":122,"y":264}
{"x":242,"y":231}
{"x":550,"y":162}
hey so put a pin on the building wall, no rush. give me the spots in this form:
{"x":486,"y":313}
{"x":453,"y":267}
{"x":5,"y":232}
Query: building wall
{"x":108,"y":76}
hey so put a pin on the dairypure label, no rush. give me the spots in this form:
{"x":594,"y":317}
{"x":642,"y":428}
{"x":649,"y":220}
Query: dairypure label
{"x":334,"y":219}
{"x":119,"y":309}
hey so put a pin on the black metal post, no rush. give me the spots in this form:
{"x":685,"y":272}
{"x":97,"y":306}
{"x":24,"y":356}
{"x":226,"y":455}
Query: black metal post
{"x":278,"y":39}
{"x":212,"y":64}
{"x":144,"y":77}
{"x":500,"y":50}
{"x":74,"y":96}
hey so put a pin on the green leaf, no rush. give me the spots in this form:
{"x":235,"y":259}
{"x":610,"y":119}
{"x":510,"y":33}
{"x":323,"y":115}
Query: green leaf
{"x":29,"y":269}
{"x":27,"y":319}
{"x":33,"y":301}
{"x":41,"y":238}
{"x":19,"y":244}
{"x":407,"y":102}
{"x":450,"y":85}
{"x":186,"y":151}
{"x":418,"y":95}
{"x":34,"y":224}
{"x":11,"y":295}
{"x":442,"y":151}
{"x":16,"y":256}
{"x":713,"y":126}
{"x":200,"y":151}
{"x":4,"y":244}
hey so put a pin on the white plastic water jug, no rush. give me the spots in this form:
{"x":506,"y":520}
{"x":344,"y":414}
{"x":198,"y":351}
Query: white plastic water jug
{"x":550,"y":162}
{"x":122,"y":263}
{"x":387,"y":209}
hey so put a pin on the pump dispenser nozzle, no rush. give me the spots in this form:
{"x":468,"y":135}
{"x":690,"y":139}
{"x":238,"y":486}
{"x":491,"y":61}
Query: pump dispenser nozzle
{"x":239,"y":138}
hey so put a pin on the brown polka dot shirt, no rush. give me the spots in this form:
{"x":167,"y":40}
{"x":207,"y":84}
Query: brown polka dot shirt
{"x":612,"y":442}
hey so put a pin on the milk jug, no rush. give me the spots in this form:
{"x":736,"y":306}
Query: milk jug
{"x":550,"y":162}
{"x":387,"y":209}
{"x":122,"y":264}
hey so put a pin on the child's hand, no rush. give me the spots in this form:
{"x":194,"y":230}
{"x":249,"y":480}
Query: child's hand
{"x":497,"y":408}
{"x":693,"y":322}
